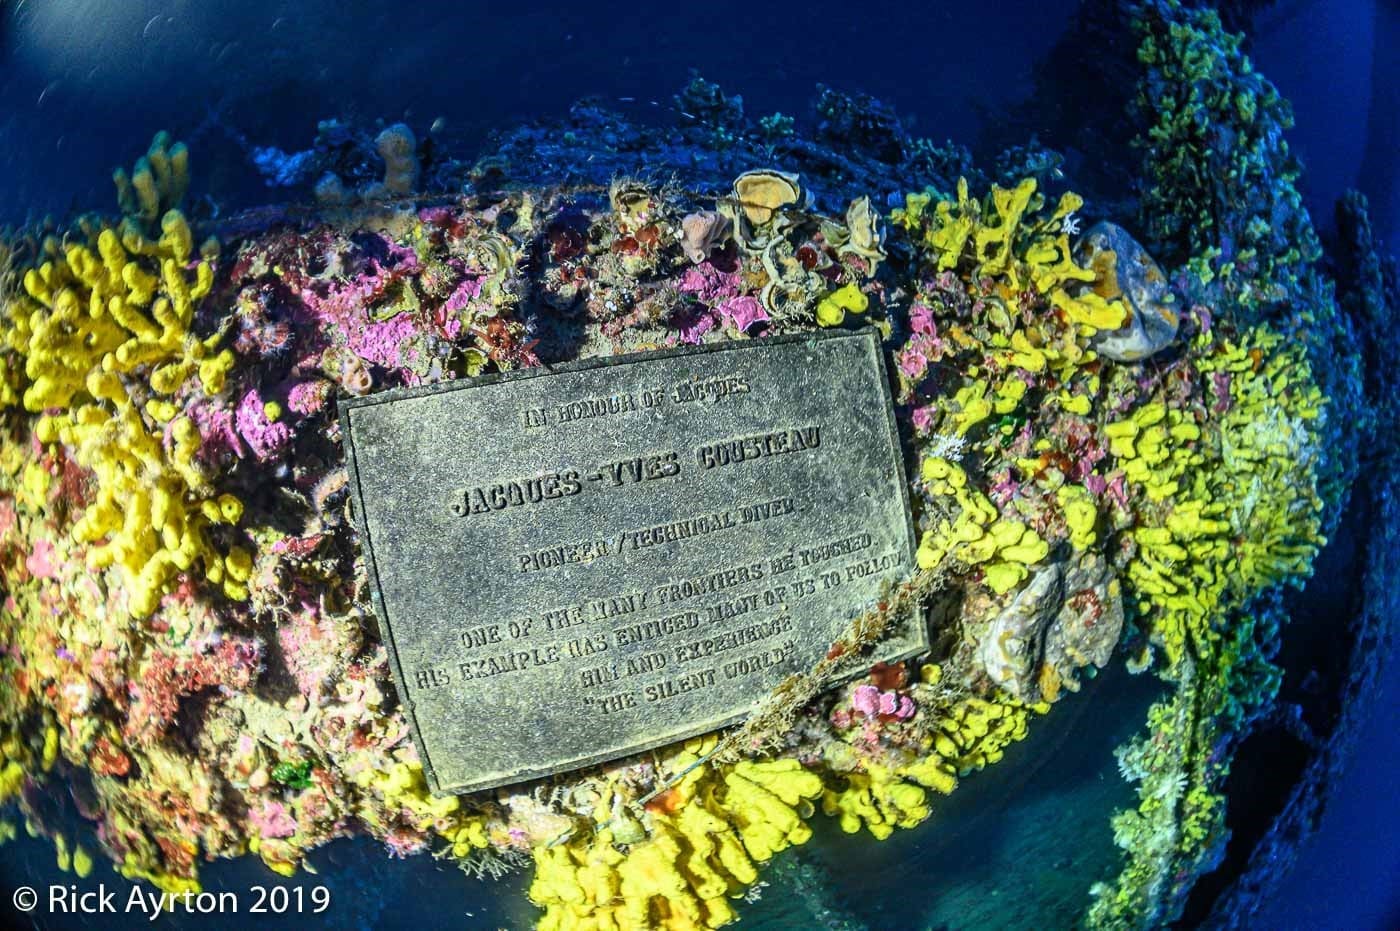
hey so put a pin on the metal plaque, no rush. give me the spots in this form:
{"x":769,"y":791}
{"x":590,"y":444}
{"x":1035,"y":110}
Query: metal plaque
{"x":574,"y":564}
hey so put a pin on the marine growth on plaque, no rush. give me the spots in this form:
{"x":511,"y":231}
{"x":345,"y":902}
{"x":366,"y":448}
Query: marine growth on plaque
{"x":576,"y":564}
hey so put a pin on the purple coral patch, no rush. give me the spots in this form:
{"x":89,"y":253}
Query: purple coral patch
{"x":266,"y":438}
{"x":743,"y":312}
{"x":709,"y":284}
{"x":383,"y":343}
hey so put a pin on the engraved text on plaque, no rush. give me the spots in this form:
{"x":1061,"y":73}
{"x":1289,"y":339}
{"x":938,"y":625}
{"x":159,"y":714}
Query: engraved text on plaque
{"x":575,"y":564}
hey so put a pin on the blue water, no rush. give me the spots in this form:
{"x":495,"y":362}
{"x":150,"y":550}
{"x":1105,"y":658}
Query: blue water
{"x":84,"y":83}
{"x":1348,"y":874}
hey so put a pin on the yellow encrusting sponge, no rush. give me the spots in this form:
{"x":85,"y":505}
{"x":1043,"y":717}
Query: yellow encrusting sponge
{"x":103,"y":330}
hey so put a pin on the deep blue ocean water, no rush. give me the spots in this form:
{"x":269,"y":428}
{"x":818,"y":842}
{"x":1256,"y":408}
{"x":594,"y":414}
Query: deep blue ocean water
{"x":84,"y":83}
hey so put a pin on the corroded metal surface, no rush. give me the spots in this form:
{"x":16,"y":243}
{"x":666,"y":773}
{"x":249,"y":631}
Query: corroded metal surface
{"x":575,"y":564}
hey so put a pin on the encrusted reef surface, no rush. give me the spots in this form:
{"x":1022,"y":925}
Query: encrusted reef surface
{"x":1123,"y":450}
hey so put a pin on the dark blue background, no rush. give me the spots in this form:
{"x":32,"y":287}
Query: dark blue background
{"x":84,"y":84}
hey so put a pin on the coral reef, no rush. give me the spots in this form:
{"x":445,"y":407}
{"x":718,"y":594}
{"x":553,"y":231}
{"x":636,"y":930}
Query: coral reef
{"x":1218,"y":197}
{"x":695,"y":846}
{"x":1113,"y":443}
{"x":889,"y":758}
{"x":104,"y":337}
{"x":1322,"y":714}
{"x":1202,"y":476}
{"x":171,"y":490}
{"x":1253,"y":499}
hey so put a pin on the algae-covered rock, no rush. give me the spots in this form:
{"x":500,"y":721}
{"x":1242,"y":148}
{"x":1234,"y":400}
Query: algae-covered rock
{"x":1125,"y":271}
{"x":1068,"y":616}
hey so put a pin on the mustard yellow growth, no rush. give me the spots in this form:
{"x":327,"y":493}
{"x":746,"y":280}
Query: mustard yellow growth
{"x":11,"y":779}
{"x":18,"y":759}
{"x":833,"y":307}
{"x":879,"y":798}
{"x":1035,"y":314}
{"x":14,"y":757}
{"x":82,"y":862}
{"x":102,"y":333}
{"x":1154,"y":446}
{"x":1006,"y":238}
{"x":158,"y":182}
{"x":702,"y":846}
{"x":976,"y":535}
{"x":1081,"y":515}
{"x":969,"y":736}
{"x":1232,"y":510}
{"x":403,"y":790}
{"x":132,"y":868}
{"x":75,"y":858}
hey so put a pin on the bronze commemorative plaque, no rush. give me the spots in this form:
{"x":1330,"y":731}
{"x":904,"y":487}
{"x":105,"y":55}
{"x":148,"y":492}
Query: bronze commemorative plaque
{"x":574,"y":564}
